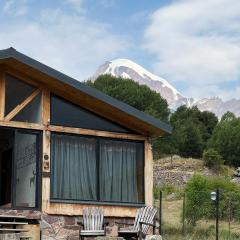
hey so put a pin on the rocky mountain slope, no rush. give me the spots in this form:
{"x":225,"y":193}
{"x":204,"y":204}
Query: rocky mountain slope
{"x":177,"y":171}
{"x":128,"y":69}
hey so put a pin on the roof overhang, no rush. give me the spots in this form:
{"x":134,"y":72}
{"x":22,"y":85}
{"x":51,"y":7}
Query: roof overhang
{"x":77,"y":92}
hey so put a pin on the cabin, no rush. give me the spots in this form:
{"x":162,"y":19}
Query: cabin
{"x":65,"y":146}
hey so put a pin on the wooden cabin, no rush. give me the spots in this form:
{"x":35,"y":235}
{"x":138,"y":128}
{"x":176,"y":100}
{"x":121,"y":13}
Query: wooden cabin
{"x":65,"y":146}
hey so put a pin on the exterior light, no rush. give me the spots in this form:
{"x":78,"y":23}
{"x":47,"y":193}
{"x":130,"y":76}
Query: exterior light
{"x":213,"y":196}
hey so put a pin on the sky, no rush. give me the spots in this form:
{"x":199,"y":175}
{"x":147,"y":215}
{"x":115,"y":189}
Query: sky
{"x":193,"y":44}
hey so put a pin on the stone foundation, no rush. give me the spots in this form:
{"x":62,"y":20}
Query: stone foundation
{"x":55,"y":227}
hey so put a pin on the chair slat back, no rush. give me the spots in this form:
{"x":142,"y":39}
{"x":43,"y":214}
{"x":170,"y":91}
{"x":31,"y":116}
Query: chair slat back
{"x":145,"y":214}
{"x":93,"y":218}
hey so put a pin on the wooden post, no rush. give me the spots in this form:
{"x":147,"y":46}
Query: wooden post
{"x":160,"y":213}
{"x":148,"y":172}
{"x":2,"y":95}
{"x":183,"y":214}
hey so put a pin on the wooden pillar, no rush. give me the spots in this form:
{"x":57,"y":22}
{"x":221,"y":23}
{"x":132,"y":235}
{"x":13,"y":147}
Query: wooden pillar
{"x":46,"y":150}
{"x":148,"y":172}
{"x":2,"y":95}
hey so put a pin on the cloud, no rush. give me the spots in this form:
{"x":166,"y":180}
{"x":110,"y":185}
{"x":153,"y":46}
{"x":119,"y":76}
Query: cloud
{"x":15,"y":7}
{"x":69,"y":42}
{"x":197,"y":43}
{"x":77,"y":5}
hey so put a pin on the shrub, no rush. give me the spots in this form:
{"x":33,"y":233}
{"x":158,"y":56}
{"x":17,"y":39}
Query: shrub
{"x":198,"y":202}
{"x":212,"y":159}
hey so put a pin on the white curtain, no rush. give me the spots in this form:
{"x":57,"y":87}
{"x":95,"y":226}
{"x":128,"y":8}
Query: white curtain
{"x":118,"y":173}
{"x":73,"y":168}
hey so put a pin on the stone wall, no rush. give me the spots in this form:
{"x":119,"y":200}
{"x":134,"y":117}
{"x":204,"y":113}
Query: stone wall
{"x":55,"y":227}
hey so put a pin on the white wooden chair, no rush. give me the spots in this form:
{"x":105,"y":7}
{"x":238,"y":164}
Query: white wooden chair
{"x":145,"y":218}
{"x":93,"y":223}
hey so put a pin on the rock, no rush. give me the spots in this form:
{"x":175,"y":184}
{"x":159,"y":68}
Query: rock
{"x":153,"y":237}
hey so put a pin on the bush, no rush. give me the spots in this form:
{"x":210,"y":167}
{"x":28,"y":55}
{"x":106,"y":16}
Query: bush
{"x":198,"y":202}
{"x":212,"y":159}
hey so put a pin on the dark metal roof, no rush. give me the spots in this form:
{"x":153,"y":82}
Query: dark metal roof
{"x":12,"y":53}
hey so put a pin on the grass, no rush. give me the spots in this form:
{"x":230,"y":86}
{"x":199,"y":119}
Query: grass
{"x":205,"y":229}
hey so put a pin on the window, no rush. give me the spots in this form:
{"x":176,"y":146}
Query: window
{"x":32,"y":111}
{"x":13,"y":97}
{"x":64,"y":113}
{"x":96,"y":169}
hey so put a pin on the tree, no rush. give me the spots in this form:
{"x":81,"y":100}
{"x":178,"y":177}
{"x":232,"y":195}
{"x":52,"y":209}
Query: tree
{"x":212,"y":159}
{"x":134,"y":94}
{"x":226,"y":139}
{"x":189,"y":140}
{"x":192,"y":130}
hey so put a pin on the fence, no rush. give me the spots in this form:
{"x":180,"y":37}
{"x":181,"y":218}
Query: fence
{"x":199,"y":215}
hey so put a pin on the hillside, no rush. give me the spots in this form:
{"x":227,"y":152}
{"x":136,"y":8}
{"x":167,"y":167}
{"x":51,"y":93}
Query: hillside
{"x":179,"y":170}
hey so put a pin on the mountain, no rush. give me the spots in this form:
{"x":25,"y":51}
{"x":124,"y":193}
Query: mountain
{"x":128,"y":69}
{"x":218,"y":106}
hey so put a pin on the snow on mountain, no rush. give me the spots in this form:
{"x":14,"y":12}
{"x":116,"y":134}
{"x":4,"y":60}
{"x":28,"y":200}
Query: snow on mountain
{"x":126,"y":68}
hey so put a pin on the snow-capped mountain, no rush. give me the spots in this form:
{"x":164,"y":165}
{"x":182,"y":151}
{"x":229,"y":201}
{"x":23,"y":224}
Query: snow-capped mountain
{"x":128,"y":69}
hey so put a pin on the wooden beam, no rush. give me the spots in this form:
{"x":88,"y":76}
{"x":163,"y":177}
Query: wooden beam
{"x":89,"y":132}
{"x":22,"y":76}
{"x":17,"y":109}
{"x":2,"y":95}
{"x":46,"y":107}
{"x":24,"y":125}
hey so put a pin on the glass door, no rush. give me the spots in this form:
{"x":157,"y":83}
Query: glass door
{"x":26,"y":169}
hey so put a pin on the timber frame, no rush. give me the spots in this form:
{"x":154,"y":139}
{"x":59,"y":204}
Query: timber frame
{"x":47,"y":84}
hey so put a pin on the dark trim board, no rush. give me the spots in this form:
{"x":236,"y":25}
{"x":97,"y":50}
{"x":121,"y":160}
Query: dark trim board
{"x":154,"y":124}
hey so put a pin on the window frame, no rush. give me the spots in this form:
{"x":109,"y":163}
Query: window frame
{"x":97,"y":152}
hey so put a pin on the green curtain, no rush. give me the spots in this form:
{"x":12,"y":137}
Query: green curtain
{"x":118,"y":173}
{"x":73,"y":168}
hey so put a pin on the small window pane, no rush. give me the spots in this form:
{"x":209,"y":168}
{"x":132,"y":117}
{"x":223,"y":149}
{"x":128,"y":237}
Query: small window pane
{"x":32,"y":113}
{"x":16,"y":92}
{"x":64,"y":113}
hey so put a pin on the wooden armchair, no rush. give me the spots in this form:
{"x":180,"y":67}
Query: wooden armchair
{"x":145,"y":218}
{"x":93,"y":223}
